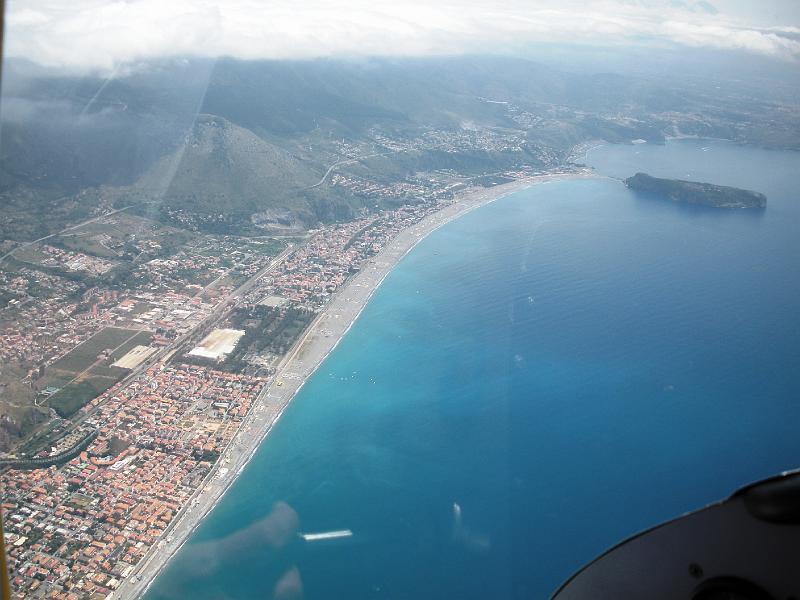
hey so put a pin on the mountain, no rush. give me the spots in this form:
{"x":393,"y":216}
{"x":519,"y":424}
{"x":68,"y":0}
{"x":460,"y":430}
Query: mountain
{"x":232,"y":141}
{"x":223,"y":169}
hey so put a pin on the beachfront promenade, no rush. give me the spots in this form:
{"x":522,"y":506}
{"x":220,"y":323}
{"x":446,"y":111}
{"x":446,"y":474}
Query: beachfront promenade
{"x":175,"y":434}
{"x":299,"y":363}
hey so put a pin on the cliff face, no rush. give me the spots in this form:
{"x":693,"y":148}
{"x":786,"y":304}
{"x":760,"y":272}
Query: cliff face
{"x":692,"y":192}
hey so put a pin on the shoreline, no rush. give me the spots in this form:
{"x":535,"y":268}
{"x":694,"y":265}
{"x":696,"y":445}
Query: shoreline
{"x":318,"y":341}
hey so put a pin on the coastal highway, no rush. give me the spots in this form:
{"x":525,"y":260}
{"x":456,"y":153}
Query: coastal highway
{"x":321,"y":337}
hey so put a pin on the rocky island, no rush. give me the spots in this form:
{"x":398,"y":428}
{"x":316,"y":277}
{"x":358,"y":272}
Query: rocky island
{"x":693,"y":192}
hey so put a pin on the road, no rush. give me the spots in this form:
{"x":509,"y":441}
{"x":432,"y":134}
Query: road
{"x":70,"y":228}
{"x":350,"y":161}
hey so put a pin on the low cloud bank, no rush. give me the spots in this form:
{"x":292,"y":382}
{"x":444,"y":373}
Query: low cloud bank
{"x":101,"y":34}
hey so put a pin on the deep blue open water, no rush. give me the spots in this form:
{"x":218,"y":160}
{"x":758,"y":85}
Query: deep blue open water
{"x":570,"y":364}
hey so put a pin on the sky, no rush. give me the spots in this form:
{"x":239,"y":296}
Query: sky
{"x":102,"y":35}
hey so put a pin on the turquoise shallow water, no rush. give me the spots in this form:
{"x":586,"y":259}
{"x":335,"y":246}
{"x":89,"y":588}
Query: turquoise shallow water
{"x":569,"y":365}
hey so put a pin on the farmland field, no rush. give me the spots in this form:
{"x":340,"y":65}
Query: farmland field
{"x":83,"y":356}
{"x":86,"y":371}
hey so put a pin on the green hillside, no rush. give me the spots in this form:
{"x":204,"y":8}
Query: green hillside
{"x":217,"y":145}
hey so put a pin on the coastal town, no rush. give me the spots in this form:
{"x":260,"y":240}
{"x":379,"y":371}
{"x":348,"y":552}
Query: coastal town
{"x":262,"y":335}
{"x":144,"y":386}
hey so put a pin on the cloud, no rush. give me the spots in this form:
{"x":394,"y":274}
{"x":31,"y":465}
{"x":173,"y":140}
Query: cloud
{"x":102,"y":34}
{"x":753,"y":40}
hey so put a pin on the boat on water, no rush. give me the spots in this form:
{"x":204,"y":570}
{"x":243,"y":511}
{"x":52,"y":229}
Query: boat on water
{"x":327,"y":535}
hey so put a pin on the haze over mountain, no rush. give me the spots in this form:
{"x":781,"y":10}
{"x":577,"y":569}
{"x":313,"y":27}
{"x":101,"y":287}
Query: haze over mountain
{"x":140,"y":108}
{"x":242,"y":138}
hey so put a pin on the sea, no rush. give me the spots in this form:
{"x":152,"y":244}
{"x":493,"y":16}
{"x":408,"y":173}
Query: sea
{"x":533,"y":383}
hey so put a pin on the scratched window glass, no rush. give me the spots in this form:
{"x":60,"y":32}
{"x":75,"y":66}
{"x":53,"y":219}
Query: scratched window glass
{"x":399,"y":299}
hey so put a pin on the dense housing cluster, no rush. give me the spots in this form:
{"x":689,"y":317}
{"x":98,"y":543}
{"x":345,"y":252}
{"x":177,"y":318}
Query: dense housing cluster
{"x":144,"y":417}
{"x":81,"y":528}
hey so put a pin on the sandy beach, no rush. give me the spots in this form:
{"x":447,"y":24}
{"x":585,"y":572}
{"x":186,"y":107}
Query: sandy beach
{"x":319,"y":340}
